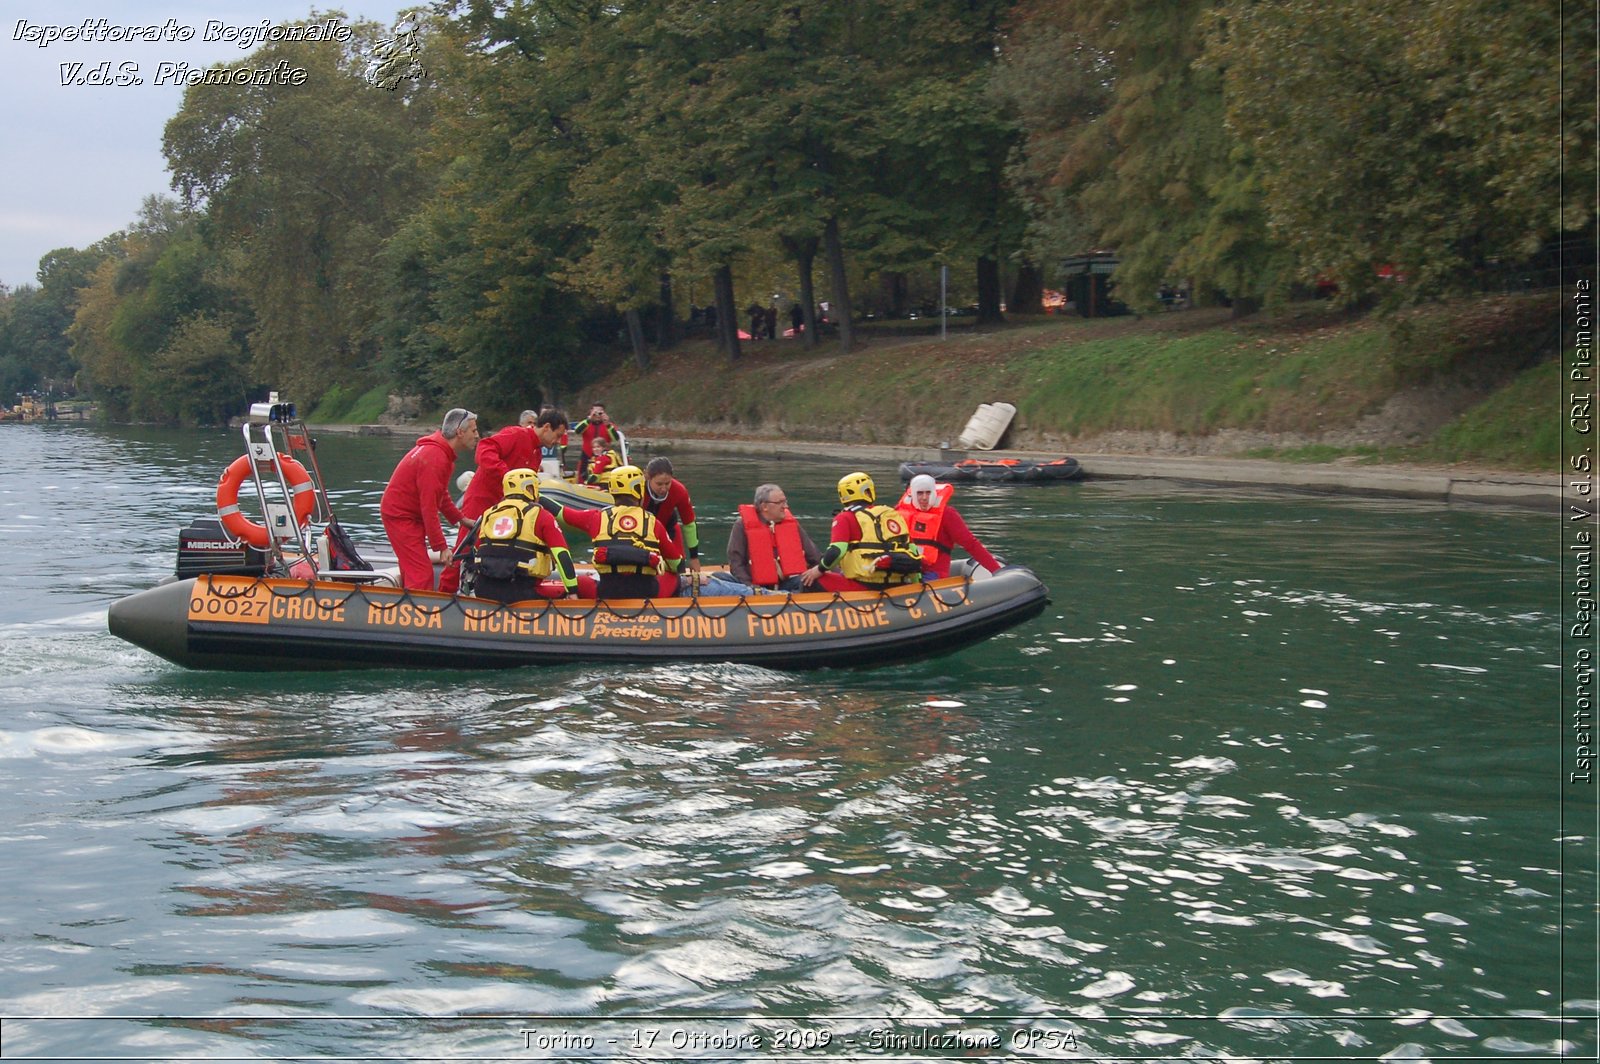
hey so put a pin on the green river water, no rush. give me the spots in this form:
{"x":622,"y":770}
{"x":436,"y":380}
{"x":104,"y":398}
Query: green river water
{"x":1274,"y":777}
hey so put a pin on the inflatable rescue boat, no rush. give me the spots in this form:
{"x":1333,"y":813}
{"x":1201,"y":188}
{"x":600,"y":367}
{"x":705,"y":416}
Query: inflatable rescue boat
{"x":291,"y":592}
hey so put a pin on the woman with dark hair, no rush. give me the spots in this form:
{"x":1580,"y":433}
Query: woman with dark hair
{"x":668,"y":500}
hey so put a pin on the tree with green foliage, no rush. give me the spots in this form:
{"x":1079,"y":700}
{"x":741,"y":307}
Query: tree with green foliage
{"x":112,"y":376}
{"x":160,"y":331}
{"x":684,"y":125}
{"x":941,"y":139}
{"x":201,"y":374}
{"x":1145,"y":163}
{"x":28,"y":328}
{"x":712,"y":138}
{"x":1423,"y":137}
{"x":478,"y":306}
{"x":1056,"y":82}
{"x":307,"y":180}
{"x":35,"y":351}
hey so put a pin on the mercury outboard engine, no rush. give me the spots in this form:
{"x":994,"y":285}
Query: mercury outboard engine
{"x":204,"y":547}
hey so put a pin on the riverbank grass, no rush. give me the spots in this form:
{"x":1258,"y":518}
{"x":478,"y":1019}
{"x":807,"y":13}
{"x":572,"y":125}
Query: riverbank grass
{"x":1470,"y":382}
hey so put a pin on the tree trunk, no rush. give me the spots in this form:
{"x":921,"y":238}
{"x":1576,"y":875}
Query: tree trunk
{"x":666,"y":317}
{"x":840,"y":283}
{"x":1027,"y":296}
{"x":804,"y":252}
{"x":727,"y":313}
{"x":989,"y":291}
{"x":894,"y":293}
{"x":808,"y":303}
{"x":641,"y":350}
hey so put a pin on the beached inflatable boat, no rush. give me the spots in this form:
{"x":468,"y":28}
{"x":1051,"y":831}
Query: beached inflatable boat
{"x":995,"y":470}
{"x":218,"y":621}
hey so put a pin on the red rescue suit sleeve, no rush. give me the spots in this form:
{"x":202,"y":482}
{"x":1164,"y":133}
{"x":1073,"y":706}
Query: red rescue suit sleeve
{"x":960,"y":535}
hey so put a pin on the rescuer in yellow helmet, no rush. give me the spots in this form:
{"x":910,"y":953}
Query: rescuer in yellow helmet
{"x":518,"y":546}
{"x":870,"y":543}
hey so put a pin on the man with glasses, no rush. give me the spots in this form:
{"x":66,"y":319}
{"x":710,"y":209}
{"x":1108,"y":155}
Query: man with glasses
{"x":768,"y":551}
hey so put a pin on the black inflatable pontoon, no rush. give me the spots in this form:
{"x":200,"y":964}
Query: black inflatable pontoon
{"x":995,"y":470}
{"x":261,"y":623}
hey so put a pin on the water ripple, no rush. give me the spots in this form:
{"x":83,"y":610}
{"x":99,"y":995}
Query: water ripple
{"x":1233,"y":796}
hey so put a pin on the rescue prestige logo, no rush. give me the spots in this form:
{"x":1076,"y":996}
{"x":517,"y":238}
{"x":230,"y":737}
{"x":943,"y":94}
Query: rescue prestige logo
{"x":245,"y":36}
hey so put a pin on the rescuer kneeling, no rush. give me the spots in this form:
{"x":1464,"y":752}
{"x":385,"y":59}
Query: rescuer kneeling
{"x":634,"y":559}
{"x":519,"y":545}
{"x":870,"y":543}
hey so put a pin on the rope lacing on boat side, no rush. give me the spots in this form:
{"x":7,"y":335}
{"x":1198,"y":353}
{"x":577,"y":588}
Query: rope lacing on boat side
{"x":754,"y":603}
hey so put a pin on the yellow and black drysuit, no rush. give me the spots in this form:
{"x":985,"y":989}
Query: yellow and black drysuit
{"x":518,"y":545}
{"x":877,"y":552}
{"x":628,"y":552}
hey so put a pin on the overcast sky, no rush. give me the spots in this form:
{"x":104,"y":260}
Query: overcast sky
{"x":79,"y":159}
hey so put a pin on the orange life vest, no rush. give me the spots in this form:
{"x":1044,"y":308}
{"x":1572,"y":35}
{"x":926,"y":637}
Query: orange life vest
{"x":768,"y":552}
{"x":925,"y":523}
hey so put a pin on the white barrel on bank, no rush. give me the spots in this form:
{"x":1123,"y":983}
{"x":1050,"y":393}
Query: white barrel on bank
{"x":986,"y":426}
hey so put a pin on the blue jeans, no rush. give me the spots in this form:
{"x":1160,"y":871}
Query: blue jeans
{"x":721,"y":583}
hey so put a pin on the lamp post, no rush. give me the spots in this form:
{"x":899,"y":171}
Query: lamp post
{"x":944,"y":302}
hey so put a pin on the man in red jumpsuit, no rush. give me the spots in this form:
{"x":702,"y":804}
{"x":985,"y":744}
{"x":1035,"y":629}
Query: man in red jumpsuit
{"x":598,"y":434}
{"x":419,"y":491}
{"x":514,"y":447}
{"x":937,"y":527}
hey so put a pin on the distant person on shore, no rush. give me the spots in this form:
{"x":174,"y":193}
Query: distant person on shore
{"x":513,"y":447}
{"x":419,"y":491}
{"x":870,"y":543}
{"x":937,"y":527}
{"x":768,"y":550}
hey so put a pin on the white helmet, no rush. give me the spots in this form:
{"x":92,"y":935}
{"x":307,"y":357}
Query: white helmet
{"x":922,"y":482}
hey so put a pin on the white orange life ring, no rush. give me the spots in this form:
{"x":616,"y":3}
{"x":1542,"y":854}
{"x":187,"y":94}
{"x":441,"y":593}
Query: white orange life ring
{"x":301,"y":494}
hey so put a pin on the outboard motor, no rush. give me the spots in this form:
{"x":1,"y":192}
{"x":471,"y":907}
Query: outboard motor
{"x":204,"y":547}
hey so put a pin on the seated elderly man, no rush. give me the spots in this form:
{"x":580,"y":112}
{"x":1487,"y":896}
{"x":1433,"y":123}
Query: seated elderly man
{"x":768,"y":551}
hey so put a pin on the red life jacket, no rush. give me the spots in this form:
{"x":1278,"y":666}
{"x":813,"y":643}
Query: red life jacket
{"x":925,"y":525}
{"x":767,"y":552}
